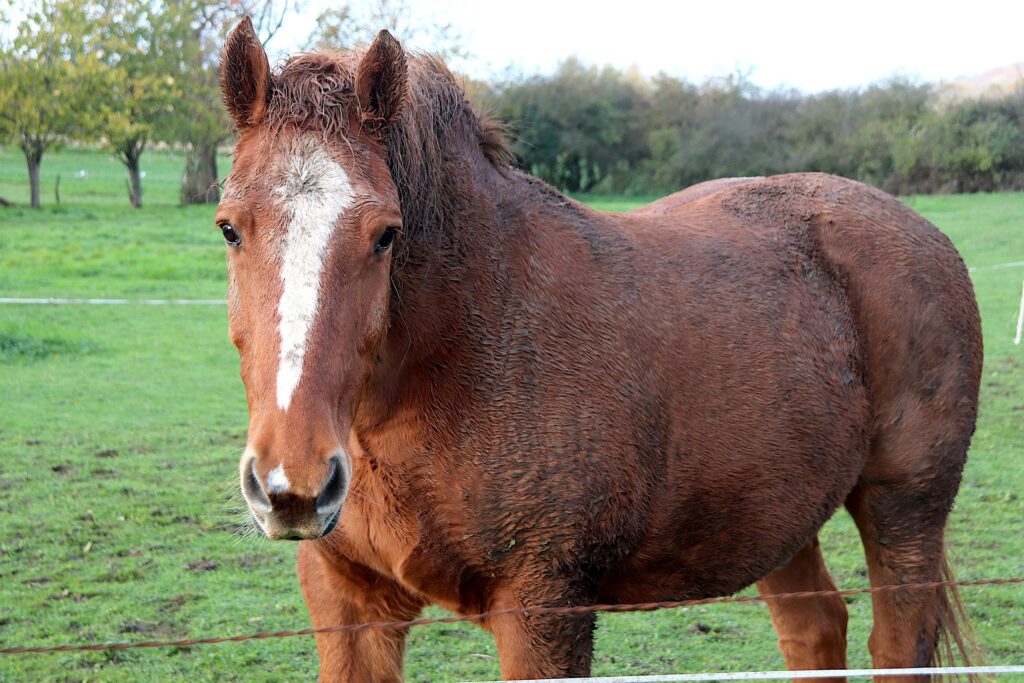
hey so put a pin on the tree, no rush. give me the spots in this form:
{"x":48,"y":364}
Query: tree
{"x":671,"y":116}
{"x":968,"y":146}
{"x":353,"y":24}
{"x":139,"y":50}
{"x":738,"y":131}
{"x":51,"y":80}
{"x":887,"y":116}
{"x":200,"y":121}
{"x":581,"y":128}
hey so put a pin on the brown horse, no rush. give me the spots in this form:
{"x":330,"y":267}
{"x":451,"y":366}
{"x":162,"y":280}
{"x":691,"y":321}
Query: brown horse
{"x":467,"y":390}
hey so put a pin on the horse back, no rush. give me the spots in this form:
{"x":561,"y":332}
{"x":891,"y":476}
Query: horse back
{"x":909,"y":290}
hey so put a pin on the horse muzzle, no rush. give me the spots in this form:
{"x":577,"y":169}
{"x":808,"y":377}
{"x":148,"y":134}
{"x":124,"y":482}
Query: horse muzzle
{"x":283,"y":513}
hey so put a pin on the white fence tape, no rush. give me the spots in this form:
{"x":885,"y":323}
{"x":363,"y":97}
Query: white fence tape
{"x":787,"y":675}
{"x":221,"y":302}
{"x":997,"y":266}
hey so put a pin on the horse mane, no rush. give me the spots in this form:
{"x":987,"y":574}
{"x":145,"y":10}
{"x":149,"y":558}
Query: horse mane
{"x":438,"y":126}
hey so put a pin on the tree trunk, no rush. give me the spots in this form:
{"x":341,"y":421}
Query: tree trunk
{"x":33,"y":150}
{"x":199,"y":182}
{"x":135,"y":182}
{"x":129,"y":152}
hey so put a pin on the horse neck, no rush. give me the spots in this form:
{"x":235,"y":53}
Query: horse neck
{"x":449,"y":284}
{"x":460,"y":226}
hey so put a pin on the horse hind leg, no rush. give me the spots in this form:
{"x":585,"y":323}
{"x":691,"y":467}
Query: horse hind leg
{"x":901,"y":505}
{"x":812,"y":631}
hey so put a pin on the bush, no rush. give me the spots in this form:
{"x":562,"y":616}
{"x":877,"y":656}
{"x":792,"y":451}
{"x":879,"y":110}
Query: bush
{"x":585,"y":129}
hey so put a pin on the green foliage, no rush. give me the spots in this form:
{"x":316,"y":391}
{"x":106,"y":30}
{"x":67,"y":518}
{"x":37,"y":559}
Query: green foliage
{"x":199,"y":115}
{"x":587,"y":129}
{"x":142,"y":90}
{"x":51,"y":75}
{"x":127,"y":72}
{"x":200,"y":121}
{"x":580,"y":129}
{"x":976,"y":145}
{"x":52,"y":80}
{"x":131,"y":72}
{"x":117,"y":464}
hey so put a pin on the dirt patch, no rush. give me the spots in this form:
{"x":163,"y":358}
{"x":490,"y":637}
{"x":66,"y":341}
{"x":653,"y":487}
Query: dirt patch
{"x":203,"y":565}
{"x":176,"y":603}
{"x":252,"y":561}
{"x":104,"y":473}
{"x":122,"y":575}
{"x":147,"y":627}
{"x":66,"y":594}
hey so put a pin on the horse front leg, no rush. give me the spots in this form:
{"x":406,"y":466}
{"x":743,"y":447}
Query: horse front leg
{"x":340,"y":592}
{"x":541,"y":645}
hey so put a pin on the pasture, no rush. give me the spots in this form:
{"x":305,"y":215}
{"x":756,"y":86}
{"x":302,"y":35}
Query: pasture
{"x":121,"y":427}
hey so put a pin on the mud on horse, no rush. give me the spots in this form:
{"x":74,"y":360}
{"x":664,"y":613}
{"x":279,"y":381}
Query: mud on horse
{"x":466,"y":389}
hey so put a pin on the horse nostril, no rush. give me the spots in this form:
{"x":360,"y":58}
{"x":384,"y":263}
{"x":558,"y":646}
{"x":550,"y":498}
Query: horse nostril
{"x":333,"y":493}
{"x":251,"y":487}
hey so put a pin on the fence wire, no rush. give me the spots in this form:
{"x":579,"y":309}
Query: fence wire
{"x":570,"y":611}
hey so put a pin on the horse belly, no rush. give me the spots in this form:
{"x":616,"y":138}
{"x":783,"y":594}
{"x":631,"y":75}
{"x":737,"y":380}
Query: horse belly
{"x":768,"y":427}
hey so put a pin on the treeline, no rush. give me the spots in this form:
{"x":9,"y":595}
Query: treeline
{"x":125,"y":74}
{"x":588,"y":129}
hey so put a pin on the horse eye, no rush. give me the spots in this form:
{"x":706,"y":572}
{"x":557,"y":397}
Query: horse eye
{"x":230,"y":235}
{"x":385,"y":241}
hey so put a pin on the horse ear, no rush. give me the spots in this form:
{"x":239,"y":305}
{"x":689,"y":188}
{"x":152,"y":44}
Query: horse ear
{"x":245,"y":75}
{"x":381,"y":82}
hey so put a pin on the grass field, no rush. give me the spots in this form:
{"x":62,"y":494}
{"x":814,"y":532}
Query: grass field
{"x":121,"y":427}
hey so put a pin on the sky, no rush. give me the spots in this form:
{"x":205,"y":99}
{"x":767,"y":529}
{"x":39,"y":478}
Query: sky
{"x":810,"y":46}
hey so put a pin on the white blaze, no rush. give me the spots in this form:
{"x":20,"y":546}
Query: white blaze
{"x":314,"y":193}
{"x":277,"y":482}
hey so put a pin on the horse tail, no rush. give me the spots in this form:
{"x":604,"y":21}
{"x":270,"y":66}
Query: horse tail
{"x":957,"y":644}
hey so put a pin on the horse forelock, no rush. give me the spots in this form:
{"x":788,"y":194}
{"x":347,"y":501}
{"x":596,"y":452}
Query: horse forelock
{"x":314,"y":93}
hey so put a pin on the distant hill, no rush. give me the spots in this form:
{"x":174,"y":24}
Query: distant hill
{"x":992,"y":83}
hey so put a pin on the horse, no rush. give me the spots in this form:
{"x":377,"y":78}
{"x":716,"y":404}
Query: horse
{"x":466,"y":389}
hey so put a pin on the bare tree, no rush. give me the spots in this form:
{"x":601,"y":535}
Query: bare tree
{"x":353,"y":24}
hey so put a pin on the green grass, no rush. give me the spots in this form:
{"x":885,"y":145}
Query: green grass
{"x":120,"y":430}
{"x":93,"y":177}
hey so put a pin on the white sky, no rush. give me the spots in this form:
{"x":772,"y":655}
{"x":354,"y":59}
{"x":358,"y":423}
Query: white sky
{"x":811,"y":46}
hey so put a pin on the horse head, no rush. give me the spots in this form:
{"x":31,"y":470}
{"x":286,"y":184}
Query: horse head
{"x":310,"y":215}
